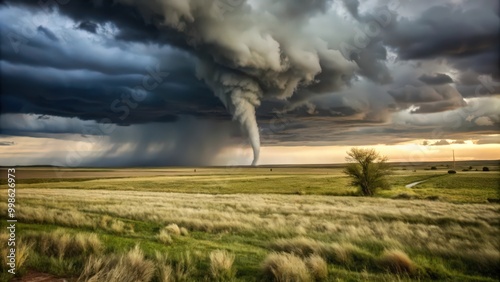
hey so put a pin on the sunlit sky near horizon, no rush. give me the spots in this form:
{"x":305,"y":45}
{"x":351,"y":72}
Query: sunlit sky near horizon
{"x":132,"y":83}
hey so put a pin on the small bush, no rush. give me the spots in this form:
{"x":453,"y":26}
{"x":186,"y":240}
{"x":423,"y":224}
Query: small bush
{"x":397,"y":262}
{"x":486,"y":168}
{"x":451,"y":171}
{"x":367,"y":170}
{"x":221,"y":265}
{"x":317,"y":266}
{"x":283,"y":267}
{"x":433,"y":168}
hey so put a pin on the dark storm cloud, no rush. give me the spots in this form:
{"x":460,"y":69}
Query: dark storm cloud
{"x":372,"y":63}
{"x":439,"y":78}
{"x":132,"y":26}
{"x":445,"y":31}
{"x":322,"y":131}
{"x":467,"y":35}
{"x":76,"y":78}
{"x":485,"y":63}
{"x":108,"y":97}
{"x":250,"y":61}
{"x":478,"y":117}
{"x":165,"y":144}
{"x":101,"y":53}
{"x":427,"y":98}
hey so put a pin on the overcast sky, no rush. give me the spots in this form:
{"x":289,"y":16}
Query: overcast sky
{"x":226,"y":82}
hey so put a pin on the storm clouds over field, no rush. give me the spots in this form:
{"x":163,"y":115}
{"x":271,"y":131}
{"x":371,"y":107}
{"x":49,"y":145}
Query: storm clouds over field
{"x":176,"y":81}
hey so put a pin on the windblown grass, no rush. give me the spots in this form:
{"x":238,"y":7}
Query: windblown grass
{"x":285,"y":267}
{"x":61,"y":244}
{"x":397,"y":262}
{"x":317,"y":267}
{"x":164,"y":270}
{"x":130,"y":267}
{"x":221,"y":265}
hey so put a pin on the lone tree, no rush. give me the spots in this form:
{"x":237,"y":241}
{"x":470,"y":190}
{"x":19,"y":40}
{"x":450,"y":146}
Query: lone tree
{"x":367,"y":169}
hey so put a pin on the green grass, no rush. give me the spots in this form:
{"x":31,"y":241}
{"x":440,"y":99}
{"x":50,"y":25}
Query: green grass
{"x":463,"y":187}
{"x":471,"y":187}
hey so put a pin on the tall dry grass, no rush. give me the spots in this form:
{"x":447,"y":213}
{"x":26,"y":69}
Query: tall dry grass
{"x":164,"y":237}
{"x":23,"y":251}
{"x":397,"y":262}
{"x":61,"y":244}
{"x":164,"y":270}
{"x":173,"y":229}
{"x":317,"y":267}
{"x":342,"y":230}
{"x":115,"y":225}
{"x":88,"y":242}
{"x":221,"y":265}
{"x":129,"y":267}
{"x":185,"y":267}
{"x":285,"y":267}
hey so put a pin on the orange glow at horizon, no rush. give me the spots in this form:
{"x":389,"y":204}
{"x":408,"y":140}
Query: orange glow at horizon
{"x":405,"y":153}
{"x":410,"y":152}
{"x":33,"y":151}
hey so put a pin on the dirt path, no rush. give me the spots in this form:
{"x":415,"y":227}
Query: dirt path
{"x":35,"y":276}
{"x":411,"y":185}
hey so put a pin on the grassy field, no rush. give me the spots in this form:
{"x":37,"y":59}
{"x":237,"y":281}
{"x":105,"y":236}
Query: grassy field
{"x":255,"y":224}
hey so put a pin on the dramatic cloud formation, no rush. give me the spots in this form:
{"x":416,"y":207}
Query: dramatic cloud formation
{"x":166,"y":77}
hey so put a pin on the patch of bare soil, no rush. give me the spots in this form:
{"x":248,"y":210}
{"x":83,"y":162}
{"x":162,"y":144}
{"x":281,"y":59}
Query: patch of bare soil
{"x":35,"y":276}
